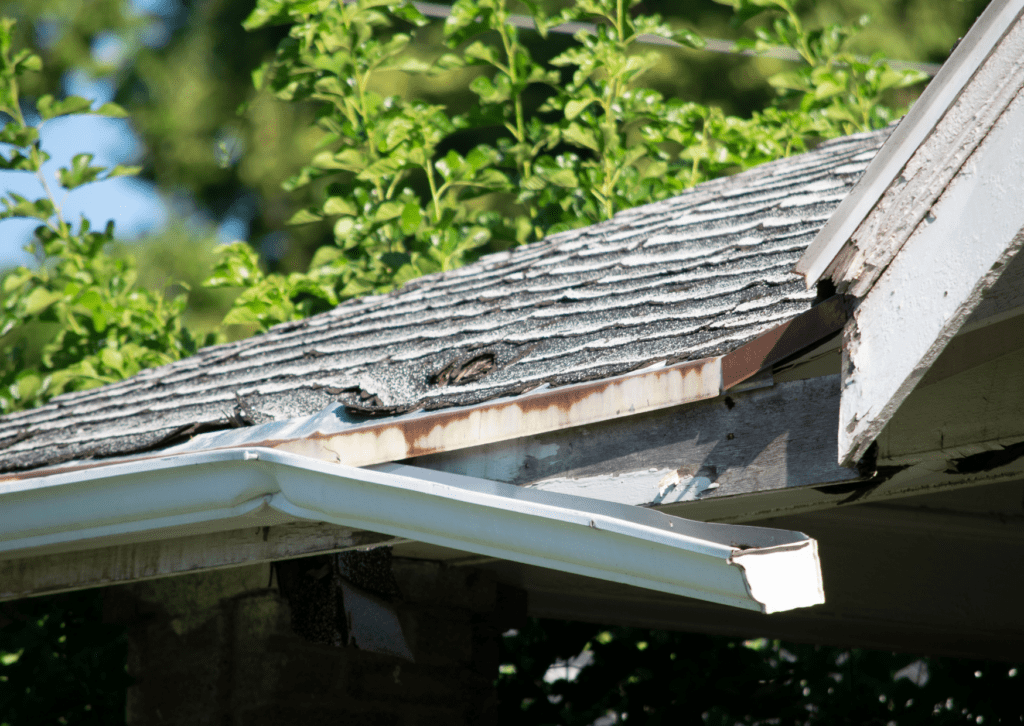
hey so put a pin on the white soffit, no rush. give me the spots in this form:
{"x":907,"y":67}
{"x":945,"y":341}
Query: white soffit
{"x":755,"y":568}
{"x":829,"y":247}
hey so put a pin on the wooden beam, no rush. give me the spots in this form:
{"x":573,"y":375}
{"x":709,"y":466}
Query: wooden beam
{"x":47,"y":574}
{"x":778,"y":441}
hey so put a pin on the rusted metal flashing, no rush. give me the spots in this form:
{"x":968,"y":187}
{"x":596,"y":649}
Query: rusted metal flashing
{"x":526,"y":415}
{"x":418,"y":434}
{"x":784,"y":341}
{"x":541,"y":411}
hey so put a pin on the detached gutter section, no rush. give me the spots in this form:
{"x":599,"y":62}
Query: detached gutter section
{"x":755,"y":568}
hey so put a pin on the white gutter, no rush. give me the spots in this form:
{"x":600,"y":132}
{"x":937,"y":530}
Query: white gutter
{"x":755,"y":568}
{"x":915,"y":127}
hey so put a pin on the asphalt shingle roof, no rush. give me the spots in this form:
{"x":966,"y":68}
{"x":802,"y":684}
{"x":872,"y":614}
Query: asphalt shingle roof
{"x":686,"y":278}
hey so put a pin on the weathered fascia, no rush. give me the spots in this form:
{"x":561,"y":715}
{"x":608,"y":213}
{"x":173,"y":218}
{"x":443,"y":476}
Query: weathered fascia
{"x":330,"y":436}
{"x":766,"y":570}
{"x":955,"y":254}
{"x":952,"y":117}
{"x":909,"y":199}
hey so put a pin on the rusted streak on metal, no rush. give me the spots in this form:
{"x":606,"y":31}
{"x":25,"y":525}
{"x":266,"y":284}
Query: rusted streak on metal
{"x":526,"y":415}
{"x":784,"y":341}
{"x":400,"y":438}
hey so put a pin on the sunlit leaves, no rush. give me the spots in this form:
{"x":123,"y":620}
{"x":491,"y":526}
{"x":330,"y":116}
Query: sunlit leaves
{"x":400,"y":190}
{"x":80,"y":172}
{"x":78,"y":320}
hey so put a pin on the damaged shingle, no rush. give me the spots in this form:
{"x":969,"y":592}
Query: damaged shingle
{"x":685,"y":278}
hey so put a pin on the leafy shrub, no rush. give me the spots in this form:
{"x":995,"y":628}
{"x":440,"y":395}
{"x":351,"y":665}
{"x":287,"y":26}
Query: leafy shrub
{"x":77,"y":320}
{"x":404,"y":201}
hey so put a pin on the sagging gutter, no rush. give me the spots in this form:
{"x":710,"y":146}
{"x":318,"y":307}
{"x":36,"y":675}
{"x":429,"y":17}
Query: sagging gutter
{"x":755,"y":568}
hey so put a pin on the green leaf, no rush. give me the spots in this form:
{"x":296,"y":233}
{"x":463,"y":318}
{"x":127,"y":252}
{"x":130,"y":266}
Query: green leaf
{"x":122,"y":170}
{"x":40,"y":299}
{"x":112,"y":359}
{"x":411,"y":219}
{"x":575,"y":108}
{"x":41,"y":209}
{"x":81,"y":172}
{"x":688,"y":38}
{"x":304,"y":216}
{"x":20,"y":162}
{"x":343,"y":228}
{"x":18,"y":135}
{"x":388,"y":210}
{"x":339,"y":205}
{"x":481,"y":52}
{"x":111,"y":109}
{"x":394,"y":260}
{"x":49,"y":108}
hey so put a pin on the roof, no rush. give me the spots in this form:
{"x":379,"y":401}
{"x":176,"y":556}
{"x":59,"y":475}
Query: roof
{"x":690,"y":277}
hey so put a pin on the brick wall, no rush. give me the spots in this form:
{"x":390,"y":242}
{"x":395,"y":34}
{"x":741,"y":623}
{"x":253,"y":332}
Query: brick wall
{"x":218,"y":648}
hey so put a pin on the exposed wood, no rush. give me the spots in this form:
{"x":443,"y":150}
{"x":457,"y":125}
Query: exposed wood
{"x":145,"y":560}
{"x":784,"y":341}
{"x":777,"y":439}
{"x":831,"y":248}
{"x":933,"y":285}
{"x":932,"y":168}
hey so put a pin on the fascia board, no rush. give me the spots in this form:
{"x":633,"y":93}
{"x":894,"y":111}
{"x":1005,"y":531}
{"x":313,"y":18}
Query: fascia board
{"x":932,"y":285}
{"x":748,"y":567}
{"x":908,"y":136}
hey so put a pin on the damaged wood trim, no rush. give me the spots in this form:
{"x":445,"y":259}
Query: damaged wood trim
{"x":102,"y":566}
{"x":830,"y":248}
{"x":784,"y":341}
{"x":753,"y":453}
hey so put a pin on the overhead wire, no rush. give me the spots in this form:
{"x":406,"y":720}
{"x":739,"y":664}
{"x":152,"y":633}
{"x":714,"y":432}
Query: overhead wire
{"x":714,"y":45}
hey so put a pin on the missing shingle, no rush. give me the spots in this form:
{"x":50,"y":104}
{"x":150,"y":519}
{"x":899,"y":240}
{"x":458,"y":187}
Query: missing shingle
{"x":370,"y":404}
{"x":460,"y":372}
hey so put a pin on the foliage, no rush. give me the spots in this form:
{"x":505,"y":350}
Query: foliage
{"x":404,"y":199}
{"x":656,"y":677}
{"x":60,"y":663}
{"x":834,"y":85}
{"x":77,"y":320}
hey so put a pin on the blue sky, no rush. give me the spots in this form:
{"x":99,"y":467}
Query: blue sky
{"x":134,"y":205}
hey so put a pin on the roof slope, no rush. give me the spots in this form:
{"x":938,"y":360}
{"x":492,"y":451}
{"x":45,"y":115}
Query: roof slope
{"x":690,"y":277}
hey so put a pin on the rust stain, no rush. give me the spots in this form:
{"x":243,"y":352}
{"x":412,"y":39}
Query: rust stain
{"x":526,"y":415}
{"x":783,"y":341}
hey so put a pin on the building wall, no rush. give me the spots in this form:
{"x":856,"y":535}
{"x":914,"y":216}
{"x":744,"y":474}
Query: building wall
{"x":219,"y":648}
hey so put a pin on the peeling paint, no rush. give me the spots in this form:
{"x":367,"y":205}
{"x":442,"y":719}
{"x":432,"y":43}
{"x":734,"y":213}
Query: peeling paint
{"x":639,"y":488}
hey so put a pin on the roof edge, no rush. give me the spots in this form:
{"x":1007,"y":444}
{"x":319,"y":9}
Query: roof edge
{"x":328,"y":436}
{"x":955,"y":74}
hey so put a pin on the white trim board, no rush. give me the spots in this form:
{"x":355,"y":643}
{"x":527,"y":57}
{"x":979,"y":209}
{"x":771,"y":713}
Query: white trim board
{"x":933,"y":284}
{"x":956,"y":74}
